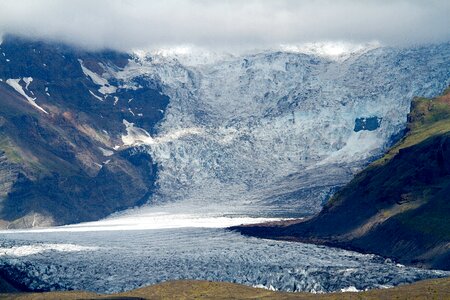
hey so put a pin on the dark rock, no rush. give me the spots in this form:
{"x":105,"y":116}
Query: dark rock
{"x":64,"y":167}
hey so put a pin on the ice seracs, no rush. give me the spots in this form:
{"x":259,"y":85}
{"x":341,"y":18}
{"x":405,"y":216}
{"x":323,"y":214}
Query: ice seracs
{"x":188,"y":55}
{"x":274,"y":119}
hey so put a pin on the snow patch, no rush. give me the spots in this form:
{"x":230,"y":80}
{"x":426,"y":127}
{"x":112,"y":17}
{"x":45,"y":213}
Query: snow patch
{"x":106,"y":152}
{"x":20,"y":251}
{"x":14,"y":83}
{"x":350,"y":289}
{"x":261,"y":286}
{"x":135,"y":135}
{"x":105,"y":87}
{"x":99,"y":98}
{"x":27,"y":81}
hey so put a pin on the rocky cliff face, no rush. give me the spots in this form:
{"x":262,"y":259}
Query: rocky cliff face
{"x":62,"y":158}
{"x":397,"y":207}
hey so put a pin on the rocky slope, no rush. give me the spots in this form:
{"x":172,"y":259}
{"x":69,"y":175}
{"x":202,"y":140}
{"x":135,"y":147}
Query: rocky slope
{"x":397,"y":207}
{"x":62,"y":117}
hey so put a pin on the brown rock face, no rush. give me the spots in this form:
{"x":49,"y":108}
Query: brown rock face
{"x":69,"y":165}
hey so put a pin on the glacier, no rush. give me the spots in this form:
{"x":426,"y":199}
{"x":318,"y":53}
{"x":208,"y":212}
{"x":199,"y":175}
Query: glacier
{"x":246,"y":138}
{"x":272,"y":133}
{"x":117,"y":260}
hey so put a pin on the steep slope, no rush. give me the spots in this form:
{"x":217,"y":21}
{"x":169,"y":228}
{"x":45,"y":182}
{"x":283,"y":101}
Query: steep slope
{"x":62,"y":117}
{"x":397,"y":207}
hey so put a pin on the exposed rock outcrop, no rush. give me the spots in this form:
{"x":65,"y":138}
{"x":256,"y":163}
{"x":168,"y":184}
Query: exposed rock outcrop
{"x":62,"y":159}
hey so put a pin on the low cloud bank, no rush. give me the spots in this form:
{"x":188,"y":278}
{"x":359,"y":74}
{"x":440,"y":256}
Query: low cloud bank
{"x":131,"y":24}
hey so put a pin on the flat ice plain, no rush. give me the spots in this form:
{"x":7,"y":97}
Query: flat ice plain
{"x":122,"y":254}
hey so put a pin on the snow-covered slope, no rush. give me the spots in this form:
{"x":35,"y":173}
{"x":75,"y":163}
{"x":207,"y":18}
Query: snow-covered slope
{"x":274,"y":132}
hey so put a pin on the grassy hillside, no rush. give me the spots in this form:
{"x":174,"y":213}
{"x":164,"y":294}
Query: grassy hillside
{"x":428,"y":117}
{"x":429,"y":289}
{"x":398,"y":206}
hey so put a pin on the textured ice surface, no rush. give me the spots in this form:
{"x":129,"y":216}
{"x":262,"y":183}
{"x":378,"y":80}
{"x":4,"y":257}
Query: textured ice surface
{"x":123,"y":260}
{"x":272,"y":133}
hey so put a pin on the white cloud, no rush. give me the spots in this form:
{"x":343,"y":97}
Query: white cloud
{"x":126,"y":24}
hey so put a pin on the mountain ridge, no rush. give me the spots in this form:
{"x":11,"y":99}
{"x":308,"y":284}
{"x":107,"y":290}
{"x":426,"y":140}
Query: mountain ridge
{"x":61,"y":157}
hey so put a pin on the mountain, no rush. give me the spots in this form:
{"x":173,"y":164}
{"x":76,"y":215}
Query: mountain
{"x":62,"y":118}
{"x":398,"y":206}
{"x":270,"y":133}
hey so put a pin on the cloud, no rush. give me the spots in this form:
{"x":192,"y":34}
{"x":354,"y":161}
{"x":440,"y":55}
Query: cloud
{"x":130,"y":24}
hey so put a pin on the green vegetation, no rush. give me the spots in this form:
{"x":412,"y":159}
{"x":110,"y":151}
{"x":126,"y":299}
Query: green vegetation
{"x":9,"y":149}
{"x":184,"y":289}
{"x":428,"y":117}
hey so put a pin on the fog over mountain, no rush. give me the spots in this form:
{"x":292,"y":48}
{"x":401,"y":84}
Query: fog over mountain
{"x":125,"y":25}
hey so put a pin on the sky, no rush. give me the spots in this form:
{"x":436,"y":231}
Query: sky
{"x":137,"y":24}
